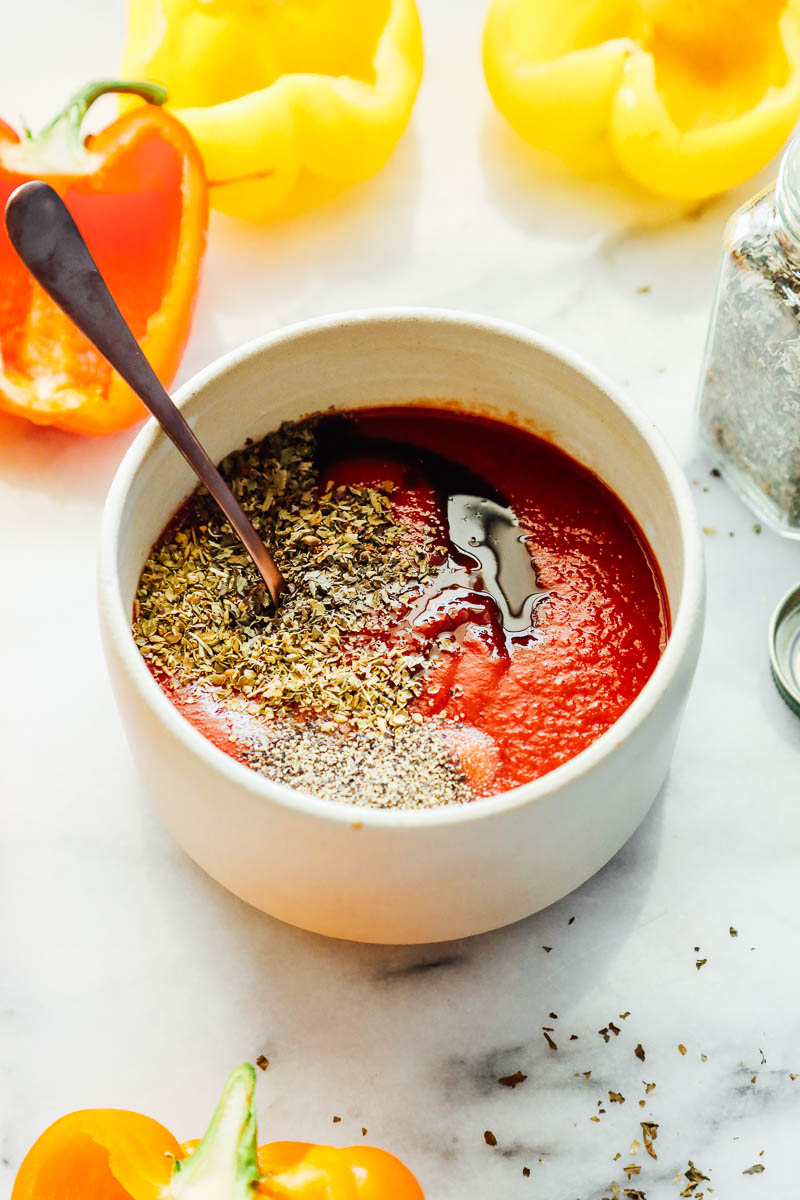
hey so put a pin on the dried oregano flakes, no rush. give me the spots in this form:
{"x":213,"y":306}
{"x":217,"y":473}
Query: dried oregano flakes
{"x":203,"y":615}
{"x":330,"y":655}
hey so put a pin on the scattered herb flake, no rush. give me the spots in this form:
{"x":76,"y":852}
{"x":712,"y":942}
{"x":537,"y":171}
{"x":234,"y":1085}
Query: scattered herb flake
{"x":511,"y":1081}
{"x":649,"y":1135}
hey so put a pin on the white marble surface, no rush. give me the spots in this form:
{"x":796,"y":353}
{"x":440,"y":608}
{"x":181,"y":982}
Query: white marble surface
{"x":130,"y":979}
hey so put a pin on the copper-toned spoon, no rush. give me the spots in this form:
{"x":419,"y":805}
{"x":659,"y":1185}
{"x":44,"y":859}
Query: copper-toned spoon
{"x":48,"y":241}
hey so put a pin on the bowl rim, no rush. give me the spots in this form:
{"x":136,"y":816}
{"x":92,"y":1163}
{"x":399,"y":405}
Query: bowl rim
{"x":336,"y":812}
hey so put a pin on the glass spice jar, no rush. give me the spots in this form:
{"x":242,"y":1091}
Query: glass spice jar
{"x":749,"y":398}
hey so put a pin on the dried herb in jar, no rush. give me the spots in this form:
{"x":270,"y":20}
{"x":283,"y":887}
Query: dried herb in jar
{"x":749,"y":399}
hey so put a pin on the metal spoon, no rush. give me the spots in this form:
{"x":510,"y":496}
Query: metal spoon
{"x":48,"y":241}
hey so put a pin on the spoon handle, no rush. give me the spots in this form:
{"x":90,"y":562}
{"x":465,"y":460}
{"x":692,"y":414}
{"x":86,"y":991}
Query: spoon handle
{"x":50,"y":244}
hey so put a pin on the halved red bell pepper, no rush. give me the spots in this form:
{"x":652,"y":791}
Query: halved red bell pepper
{"x":138,"y":192}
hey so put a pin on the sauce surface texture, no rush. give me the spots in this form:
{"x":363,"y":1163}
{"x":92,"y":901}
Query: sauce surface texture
{"x":507,"y":706}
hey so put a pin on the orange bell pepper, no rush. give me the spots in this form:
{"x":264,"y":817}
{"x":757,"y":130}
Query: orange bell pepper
{"x":138,"y":192}
{"x":109,"y":1154}
{"x":308,"y":1172}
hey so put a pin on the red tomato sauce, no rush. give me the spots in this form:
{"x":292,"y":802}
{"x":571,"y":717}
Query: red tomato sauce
{"x":511,"y":706}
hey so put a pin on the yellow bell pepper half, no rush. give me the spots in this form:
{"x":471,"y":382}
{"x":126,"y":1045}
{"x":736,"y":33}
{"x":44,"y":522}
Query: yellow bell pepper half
{"x":689,"y":97}
{"x":286,"y":99}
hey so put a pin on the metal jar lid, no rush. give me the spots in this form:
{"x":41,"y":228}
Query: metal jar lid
{"x":784,"y":648}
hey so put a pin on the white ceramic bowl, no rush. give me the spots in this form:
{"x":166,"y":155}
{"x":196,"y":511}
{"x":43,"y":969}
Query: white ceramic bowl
{"x":421,"y":875}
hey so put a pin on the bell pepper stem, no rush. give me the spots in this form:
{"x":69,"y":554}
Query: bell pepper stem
{"x":58,"y":149}
{"x":225,"y":1164}
{"x":78,"y":105}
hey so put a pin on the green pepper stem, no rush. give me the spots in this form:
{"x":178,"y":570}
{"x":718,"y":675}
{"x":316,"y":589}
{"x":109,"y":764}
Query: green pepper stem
{"x":59,"y":148}
{"x":77,"y":107}
{"x":225,"y":1164}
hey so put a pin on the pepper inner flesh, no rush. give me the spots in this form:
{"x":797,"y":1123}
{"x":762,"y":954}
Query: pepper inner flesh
{"x":80,"y":1170}
{"x":132,"y":228}
{"x":545,"y":32}
{"x":713,"y":61}
{"x":720,"y":66}
{"x":303,"y":37}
